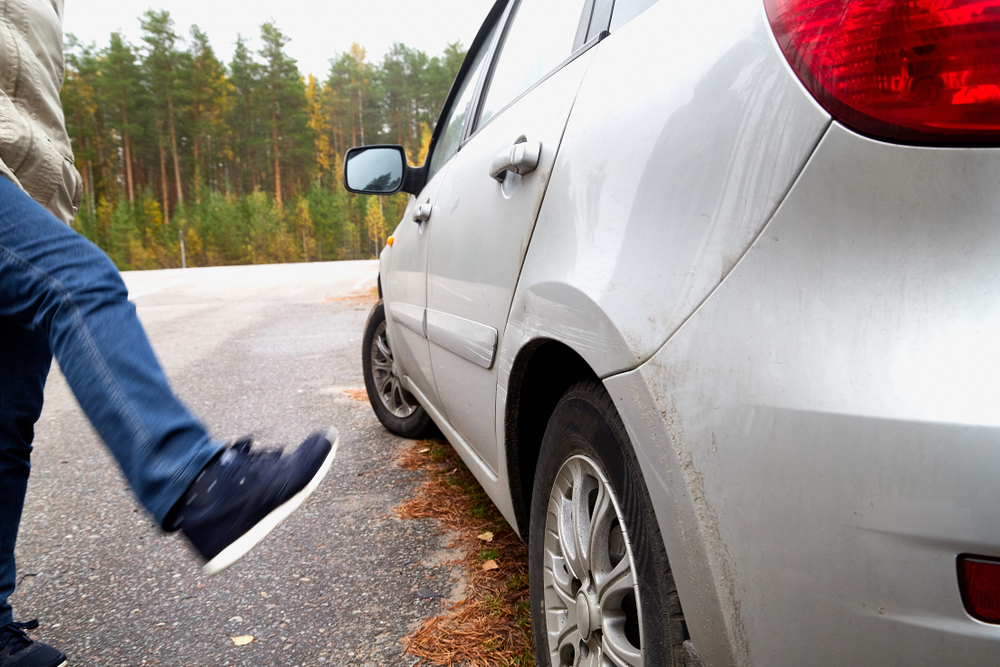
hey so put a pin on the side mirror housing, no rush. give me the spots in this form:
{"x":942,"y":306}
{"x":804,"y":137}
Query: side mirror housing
{"x":381,"y":170}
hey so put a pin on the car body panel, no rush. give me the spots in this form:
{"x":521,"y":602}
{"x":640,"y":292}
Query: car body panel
{"x":472,"y":341}
{"x":479,"y":233}
{"x":643,"y":222}
{"x":403,"y":270}
{"x":832,"y":408}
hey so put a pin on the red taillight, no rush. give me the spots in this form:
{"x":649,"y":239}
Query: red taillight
{"x":910,"y":70}
{"x":979,"y":582}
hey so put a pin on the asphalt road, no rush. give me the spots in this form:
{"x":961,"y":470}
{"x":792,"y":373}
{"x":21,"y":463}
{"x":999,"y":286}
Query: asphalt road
{"x":268,"y":350}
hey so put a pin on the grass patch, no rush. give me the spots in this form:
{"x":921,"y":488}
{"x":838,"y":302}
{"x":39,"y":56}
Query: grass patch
{"x":492,"y":624}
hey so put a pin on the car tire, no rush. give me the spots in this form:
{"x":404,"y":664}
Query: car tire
{"x":394,"y":406}
{"x":585,"y":609}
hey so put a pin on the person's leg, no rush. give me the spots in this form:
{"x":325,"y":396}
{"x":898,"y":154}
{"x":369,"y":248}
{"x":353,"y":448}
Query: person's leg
{"x":56,"y":283}
{"x":24,"y":365}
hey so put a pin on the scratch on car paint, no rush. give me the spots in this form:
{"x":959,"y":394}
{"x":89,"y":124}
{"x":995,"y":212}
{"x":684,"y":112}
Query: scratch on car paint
{"x":724,"y":569}
{"x":531,"y":325}
{"x":575,"y":337}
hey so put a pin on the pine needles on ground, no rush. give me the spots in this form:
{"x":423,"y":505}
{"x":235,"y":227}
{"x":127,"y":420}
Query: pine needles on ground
{"x":491,"y":625}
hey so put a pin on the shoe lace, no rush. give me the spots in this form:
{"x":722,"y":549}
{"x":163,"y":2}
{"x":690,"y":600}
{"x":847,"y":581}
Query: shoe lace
{"x":13,"y":635}
{"x":250,"y":462}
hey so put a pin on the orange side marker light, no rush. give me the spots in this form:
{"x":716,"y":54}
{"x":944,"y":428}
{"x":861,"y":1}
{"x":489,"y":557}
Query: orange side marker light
{"x":389,"y":240}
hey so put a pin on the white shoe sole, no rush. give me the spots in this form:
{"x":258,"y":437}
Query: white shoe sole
{"x":249,"y":539}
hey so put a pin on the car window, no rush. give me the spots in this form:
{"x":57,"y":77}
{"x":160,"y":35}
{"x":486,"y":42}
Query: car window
{"x":626,"y":10}
{"x":451,"y":135}
{"x":600,"y":18}
{"x":540,"y":37}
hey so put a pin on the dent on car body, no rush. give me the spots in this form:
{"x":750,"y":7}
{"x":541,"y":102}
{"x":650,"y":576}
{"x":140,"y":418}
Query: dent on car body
{"x":641,"y":224}
{"x":648,"y":219}
{"x":793,"y":430}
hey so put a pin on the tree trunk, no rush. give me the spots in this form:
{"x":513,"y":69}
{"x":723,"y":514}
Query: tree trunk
{"x":277,"y":162}
{"x":93,"y":188}
{"x":173,"y":144}
{"x":361,"y":118}
{"x":101,"y":157}
{"x":86,"y":183}
{"x":163,"y":181}
{"x":197,"y":172}
{"x":129,"y":181}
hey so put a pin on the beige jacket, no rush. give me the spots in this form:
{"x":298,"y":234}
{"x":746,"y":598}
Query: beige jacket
{"x":35,"y":150}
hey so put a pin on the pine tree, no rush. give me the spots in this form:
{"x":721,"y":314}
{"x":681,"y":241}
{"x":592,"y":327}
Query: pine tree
{"x":122,"y":89}
{"x":209,"y":96}
{"x":245,"y":117}
{"x":320,"y":128}
{"x":172,"y":146}
{"x":286,"y":103}
{"x":163,"y":65}
{"x":79,"y":101}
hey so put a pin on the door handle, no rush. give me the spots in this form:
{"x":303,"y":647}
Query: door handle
{"x":521,"y":158}
{"x":423,"y":213}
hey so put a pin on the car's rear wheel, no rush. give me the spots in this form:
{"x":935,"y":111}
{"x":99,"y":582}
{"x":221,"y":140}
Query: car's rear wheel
{"x":601,"y":589}
{"x":394,"y":406}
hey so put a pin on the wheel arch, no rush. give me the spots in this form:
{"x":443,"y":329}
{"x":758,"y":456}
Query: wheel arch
{"x":540,"y":374}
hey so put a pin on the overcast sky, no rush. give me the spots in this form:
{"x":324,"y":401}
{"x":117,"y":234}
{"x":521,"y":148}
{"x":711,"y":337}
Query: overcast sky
{"x":318,"y":30}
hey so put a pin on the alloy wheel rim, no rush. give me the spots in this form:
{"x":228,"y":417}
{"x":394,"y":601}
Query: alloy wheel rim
{"x":390,"y":391}
{"x":592,"y":606}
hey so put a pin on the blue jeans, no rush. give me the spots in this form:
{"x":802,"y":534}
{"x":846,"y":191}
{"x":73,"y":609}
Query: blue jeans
{"x":61,"y":295}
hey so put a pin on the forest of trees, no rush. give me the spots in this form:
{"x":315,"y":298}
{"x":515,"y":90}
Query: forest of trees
{"x":238,"y":163}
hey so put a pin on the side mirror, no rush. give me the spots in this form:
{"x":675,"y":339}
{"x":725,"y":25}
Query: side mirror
{"x":375,"y":170}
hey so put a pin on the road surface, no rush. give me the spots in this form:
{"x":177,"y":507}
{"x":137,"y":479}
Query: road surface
{"x":270,"y":350}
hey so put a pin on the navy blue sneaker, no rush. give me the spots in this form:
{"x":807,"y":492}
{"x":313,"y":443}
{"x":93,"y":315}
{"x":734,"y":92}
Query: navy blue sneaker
{"x":17,"y":649}
{"x":242,"y":495}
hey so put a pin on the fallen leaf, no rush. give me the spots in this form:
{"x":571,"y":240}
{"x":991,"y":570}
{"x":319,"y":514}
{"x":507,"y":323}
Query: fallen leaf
{"x":243,"y":640}
{"x":491,"y":565}
{"x":486,"y":537}
{"x":424,"y":450}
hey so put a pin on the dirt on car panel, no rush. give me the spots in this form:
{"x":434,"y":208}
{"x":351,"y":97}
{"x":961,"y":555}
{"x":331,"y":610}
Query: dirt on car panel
{"x":490,"y":624}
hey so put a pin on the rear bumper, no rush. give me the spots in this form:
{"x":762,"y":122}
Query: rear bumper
{"x":822,"y":437}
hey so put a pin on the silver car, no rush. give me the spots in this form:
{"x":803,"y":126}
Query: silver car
{"x":707,"y":296}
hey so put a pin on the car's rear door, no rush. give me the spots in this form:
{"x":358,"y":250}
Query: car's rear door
{"x":481,"y":221}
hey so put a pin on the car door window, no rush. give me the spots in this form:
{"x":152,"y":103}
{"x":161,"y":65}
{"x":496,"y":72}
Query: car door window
{"x":626,"y":10}
{"x":451,"y":135}
{"x":540,"y":37}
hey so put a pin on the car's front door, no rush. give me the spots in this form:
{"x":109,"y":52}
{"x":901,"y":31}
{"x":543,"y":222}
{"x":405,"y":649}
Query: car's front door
{"x":483,"y":214}
{"x":406,"y":278}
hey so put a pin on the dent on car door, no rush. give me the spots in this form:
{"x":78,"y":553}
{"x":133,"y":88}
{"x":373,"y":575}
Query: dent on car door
{"x":485,"y":210}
